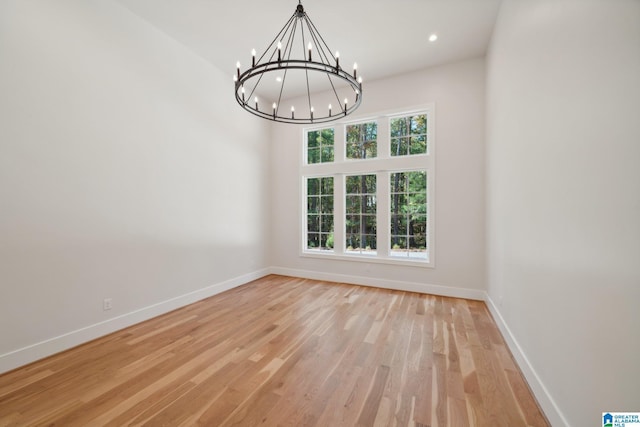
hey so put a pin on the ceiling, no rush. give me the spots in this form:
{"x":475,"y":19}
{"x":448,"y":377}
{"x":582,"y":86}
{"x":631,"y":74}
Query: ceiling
{"x":384,"y":37}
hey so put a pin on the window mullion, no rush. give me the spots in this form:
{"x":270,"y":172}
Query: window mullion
{"x":339,"y":143}
{"x":338,"y":214}
{"x":383,"y":138}
{"x":383,"y":220}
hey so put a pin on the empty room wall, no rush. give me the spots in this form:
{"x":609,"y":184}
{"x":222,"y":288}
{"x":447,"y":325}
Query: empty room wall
{"x":563,"y":199}
{"x":123,"y":175}
{"x":457,"y":92}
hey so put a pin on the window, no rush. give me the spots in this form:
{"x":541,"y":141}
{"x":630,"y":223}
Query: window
{"x":408,"y":214}
{"x":320,"y":146}
{"x":369,"y":189}
{"x":320,"y":213}
{"x":360,"y":220}
{"x":362,"y":140}
{"x":408,"y":135}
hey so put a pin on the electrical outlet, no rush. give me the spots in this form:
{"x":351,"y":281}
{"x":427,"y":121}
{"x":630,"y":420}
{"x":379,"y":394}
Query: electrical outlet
{"x":107,"y":304}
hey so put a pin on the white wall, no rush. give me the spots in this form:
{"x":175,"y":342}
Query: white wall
{"x":126,"y":172}
{"x":457,"y":90}
{"x":563,"y":209}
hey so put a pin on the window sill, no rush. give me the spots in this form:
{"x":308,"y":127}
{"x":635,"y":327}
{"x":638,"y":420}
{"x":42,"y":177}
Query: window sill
{"x":373,"y":259}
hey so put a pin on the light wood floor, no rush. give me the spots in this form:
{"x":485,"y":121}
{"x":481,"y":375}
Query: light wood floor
{"x":290,"y":352}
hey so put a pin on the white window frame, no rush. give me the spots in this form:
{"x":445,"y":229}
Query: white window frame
{"x":382,"y":166}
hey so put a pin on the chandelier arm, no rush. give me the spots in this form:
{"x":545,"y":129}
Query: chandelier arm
{"x":289,"y":46}
{"x":309,"y":93}
{"x":286,"y":26}
{"x":284,"y":29}
{"x":306,"y":71}
{"x":256,"y":85}
{"x":321,"y":38}
{"x":316,"y":39}
{"x":288,"y":53}
{"x":334,"y":90}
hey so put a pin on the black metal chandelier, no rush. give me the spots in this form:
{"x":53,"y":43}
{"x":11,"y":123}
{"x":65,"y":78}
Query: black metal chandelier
{"x":299,"y":52}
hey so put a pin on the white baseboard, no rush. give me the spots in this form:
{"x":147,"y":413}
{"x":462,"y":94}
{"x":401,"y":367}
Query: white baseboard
{"x":423,"y":288}
{"x":26,"y":355}
{"x":548,"y":405}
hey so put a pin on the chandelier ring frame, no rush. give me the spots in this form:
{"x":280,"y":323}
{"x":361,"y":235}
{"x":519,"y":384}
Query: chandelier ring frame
{"x":297,"y":64}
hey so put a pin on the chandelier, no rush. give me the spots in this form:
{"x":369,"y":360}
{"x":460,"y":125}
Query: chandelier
{"x":298,"y":61}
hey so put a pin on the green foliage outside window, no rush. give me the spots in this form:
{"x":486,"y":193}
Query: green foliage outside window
{"x":362,"y":141}
{"x":361,"y":211}
{"x":409,"y":214}
{"x":408,"y":135}
{"x":320,"y":146}
{"x":320,"y":213}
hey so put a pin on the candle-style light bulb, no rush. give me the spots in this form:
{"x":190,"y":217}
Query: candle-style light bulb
{"x":256,"y":101}
{"x":309,"y":48}
{"x":360,"y":79}
{"x":293,"y":112}
{"x":242,"y":90}
{"x":279,"y":51}
{"x":274,"y":109}
{"x":355,"y":69}
{"x":235,"y":78}
{"x":329,"y":110}
{"x":337,"y":60}
{"x":345,"y":106}
{"x":312,"y":113}
{"x":238,"y":66}
{"x":253,"y":57}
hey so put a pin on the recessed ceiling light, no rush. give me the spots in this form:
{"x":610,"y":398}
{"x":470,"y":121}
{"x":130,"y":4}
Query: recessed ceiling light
{"x":433,"y":37}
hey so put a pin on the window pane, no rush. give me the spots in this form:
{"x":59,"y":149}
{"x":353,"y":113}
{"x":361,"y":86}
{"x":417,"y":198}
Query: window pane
{"x":369,"y":205}
{"x":327,"y":154}
{"x":352,"y":184}
{"x":361,"y":140}
{"x":418,"y":144}
{"x":352,"y":242}
{"x":326,"y":136}
{"x":326,"y":204}
{"x":313,"y":240}
{"x":327,"y":185}
{"x":352,"y":224}
{"x":370,"y":224}
{"x":313,"y":139}
{"x":417,"y":181}
{"x":419,"y":124}
{"x":352,"y":204}
{"x":313,"y":204}
{"x":313,"y":186}
{"x":313,"y":223}
{"x":399,"y":146}
{"x":408,"y":226}
{"x":327,"y":223}
{"x":399,"y":225}
{"x":398,"y":127}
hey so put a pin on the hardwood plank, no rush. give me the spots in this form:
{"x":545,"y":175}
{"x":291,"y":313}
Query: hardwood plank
{"x":284,"y":351}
